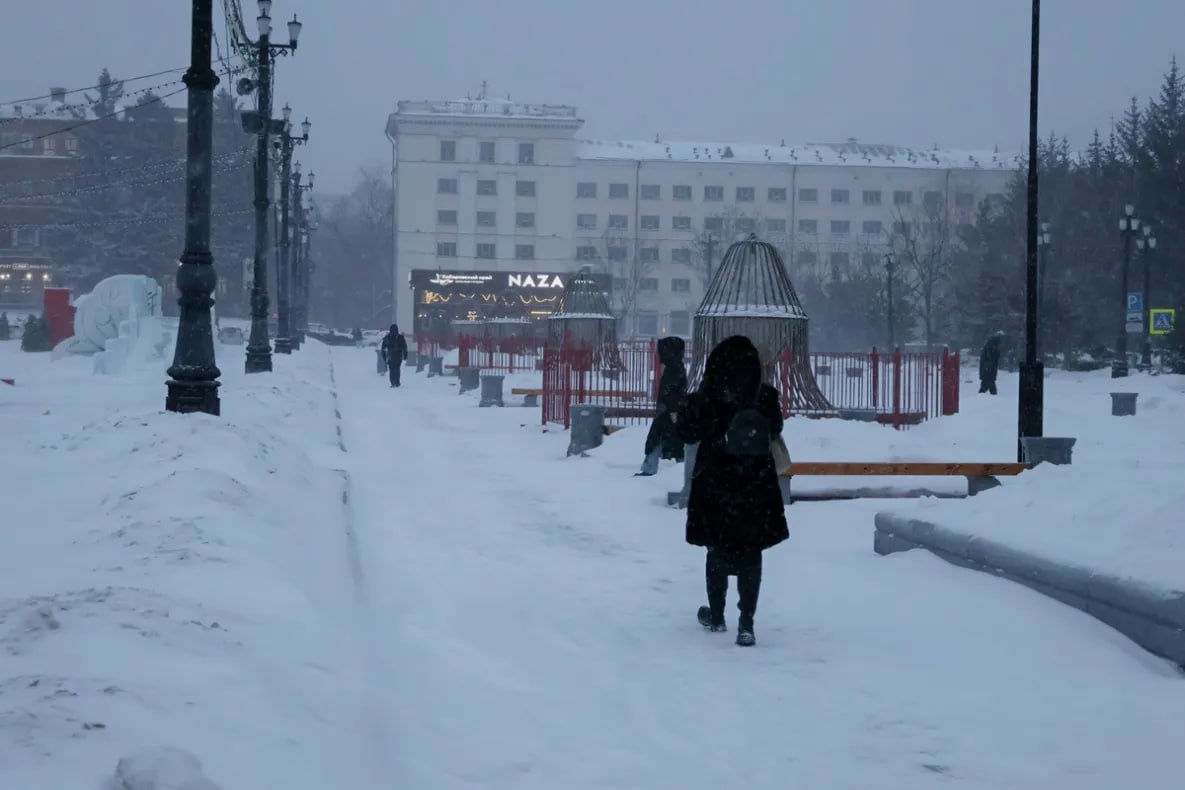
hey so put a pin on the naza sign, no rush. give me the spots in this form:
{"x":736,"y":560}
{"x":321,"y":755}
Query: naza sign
{"x":535,"y":281}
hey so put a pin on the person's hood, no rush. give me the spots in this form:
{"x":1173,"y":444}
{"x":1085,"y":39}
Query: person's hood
{"x":670,"y":350}
{"x":394,"y":329}
{"x":733,"y":371}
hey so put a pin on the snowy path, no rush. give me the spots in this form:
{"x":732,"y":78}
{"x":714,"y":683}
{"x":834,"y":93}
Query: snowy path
{"x":535,"y":627}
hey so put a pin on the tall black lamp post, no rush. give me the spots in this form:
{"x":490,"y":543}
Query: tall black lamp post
{"x":1129,"y":226}
{"x":1146,"y":245}
{"x":193,"y":376}
{"x":890,"y":270}
{"x":300,"y":268}
{"x":259,"y":353}
{"x":1030,"y":406}
{"x":284,"y":146}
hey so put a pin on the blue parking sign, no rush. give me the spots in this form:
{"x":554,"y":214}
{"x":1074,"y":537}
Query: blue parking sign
{"x":1135,"y":301}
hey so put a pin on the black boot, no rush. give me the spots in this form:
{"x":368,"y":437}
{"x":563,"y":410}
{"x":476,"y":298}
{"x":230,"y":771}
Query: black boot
{"x":704,"y":615}
{"x":716,"y":575}
{"x":745,"y":636}
{"x":748,"y":587}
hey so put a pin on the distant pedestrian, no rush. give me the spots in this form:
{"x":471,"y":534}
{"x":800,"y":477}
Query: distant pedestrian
{"x":394,"y":349}
{"x":5,"y":327}
{"x":357,"y":335}
{"x":735,"y":506}
{"x":663,"y":440}
{"x":989,"y":364}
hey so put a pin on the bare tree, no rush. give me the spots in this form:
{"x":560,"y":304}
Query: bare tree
{"x":732,"y":223}
{"x":923,"y":244}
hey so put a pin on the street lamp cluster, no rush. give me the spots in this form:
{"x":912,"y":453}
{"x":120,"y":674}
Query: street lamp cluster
{"x":193,"y":383}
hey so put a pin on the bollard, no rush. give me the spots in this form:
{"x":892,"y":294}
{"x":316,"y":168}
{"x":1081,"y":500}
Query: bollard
{"x":435,"y":366}
{"x":679,"y":498}
{"x":412,"y":359}
{"x":588,"y":428}
{"x":421,"y":361}
{"x":468,"y":379}
{"x":1123,"y":404}
{"x":1053,"y":449}
{"x":538,"y":364}
{"x":491,"y":391}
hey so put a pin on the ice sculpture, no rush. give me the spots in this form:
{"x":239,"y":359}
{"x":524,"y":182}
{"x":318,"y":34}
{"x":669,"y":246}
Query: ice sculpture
{"x":119,"y":320}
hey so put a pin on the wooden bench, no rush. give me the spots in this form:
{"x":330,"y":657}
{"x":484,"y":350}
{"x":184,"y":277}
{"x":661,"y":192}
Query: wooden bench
{"x":980,"y":476}
{"x":531,"y":395}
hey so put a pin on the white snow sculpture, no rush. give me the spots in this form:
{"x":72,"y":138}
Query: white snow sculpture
{"x":117,"y":321}
{"x":161,"y":768}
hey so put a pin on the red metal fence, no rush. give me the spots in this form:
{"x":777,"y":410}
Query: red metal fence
{"x":505,"y":355}
{"x":897,"y":389}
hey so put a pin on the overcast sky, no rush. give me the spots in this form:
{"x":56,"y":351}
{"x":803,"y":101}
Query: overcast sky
{"x":912,"y":72}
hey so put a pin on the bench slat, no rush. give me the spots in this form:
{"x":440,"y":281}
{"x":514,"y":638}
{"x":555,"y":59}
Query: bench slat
{"x":904,"y":468}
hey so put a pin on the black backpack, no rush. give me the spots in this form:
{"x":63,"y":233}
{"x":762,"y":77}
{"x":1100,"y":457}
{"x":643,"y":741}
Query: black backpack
{"x":748,"y":434}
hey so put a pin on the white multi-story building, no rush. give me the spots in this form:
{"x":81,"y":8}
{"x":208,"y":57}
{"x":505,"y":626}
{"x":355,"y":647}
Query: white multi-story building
{"x":489,"y":192}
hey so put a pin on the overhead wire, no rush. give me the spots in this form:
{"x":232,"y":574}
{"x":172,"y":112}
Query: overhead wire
{"x":96,"y":87}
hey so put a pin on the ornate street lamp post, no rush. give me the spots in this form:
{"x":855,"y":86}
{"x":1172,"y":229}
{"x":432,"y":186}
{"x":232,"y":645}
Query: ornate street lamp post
{"x":284,"y":145}
{"x":300,"y":268}
{"x":193,"y":376}
{"x":259,"y":353}
{"x":1146,"y":245}
{"x":1129,"y":226}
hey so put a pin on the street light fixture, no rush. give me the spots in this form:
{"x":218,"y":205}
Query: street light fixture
{"x":1129,"y":227}
{"x":1146,"y":244}
{"x":259,"y":352}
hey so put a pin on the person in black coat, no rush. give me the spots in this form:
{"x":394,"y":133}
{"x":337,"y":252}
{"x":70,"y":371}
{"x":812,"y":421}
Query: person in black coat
{"x":394,"y":348}
{"x":735,"y":506}
{"x":663,"y":440}
{"x":989,"y":364}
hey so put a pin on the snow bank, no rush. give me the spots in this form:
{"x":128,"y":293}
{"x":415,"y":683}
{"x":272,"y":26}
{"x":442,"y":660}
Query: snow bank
{"x":174,"y":578}
{"x":161,"y":768}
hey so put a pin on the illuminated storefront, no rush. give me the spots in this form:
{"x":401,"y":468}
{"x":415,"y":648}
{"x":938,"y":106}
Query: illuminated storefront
{"x":441,"y":297}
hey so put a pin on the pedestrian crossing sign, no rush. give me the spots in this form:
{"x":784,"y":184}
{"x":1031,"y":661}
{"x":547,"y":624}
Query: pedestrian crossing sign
{"x":1161,"y":321}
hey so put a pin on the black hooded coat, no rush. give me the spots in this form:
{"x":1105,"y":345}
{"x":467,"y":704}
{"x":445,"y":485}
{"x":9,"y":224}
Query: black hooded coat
{"x":735,"y":503}
{"x":989,"y":359}
{"x":394,"y":346}
{"x":672,"y":389}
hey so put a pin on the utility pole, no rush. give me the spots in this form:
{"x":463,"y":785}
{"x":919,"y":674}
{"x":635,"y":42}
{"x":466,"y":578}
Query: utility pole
{"x":1030,"y":406}
{"x":193,"y":376}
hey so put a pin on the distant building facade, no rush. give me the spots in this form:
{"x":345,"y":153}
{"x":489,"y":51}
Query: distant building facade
{"x":508,"y":190}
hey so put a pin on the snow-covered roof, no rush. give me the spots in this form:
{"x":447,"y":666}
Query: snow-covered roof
{"x":835,"y":154}
{"x":493,"y":108}
{"x":53,"y":110}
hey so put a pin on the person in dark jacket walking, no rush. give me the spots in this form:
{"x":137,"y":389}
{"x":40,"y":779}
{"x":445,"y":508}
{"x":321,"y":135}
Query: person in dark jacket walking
{"x":663,"y":439}
{"x":735,"y":505}
{"x":989,"y":364}
{"x":394,"y":348}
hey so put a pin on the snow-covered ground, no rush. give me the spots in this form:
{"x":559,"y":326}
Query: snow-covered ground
{"x":462,"y":606}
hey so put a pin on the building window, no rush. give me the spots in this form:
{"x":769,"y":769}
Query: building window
{"x":869,"y":260}
{"x":647,"y":283}
{"x":524,"y":188}
{"x":840,"y":227}
{"x":776,"y":195}
{"x":840,"y":196}
{"x":586,"y":221}
{"x":648,"y":255}
{"x":680,"y":322}
{"x":681,"y":255}
{"x":619,"y":221}
{"x":681,"y":192}
{"x":446,"y":186}
{"x":647,"y":323}
{"x":680,"y":285}
{"x":681,"y":223}
{"x":964,"y":200}
{"x":617,"y":253}
{"x":619,"y":191}
{"x":446,"y":249}
{"x":714,"y":224}
{"x":650,"y":222}
{"x":901,"y":228}
{"x":872,"y":197}
{"x":487,"y":186}
{"x":524,"y":219}
{"x":524,"y":252}
{"x":932,"y":199}
{"x":446,"y":218}
{"x":744,"y":225}
{"x":71,"y":144}
{"x":839,"y":260}
{"x":486,"y":219}
{"x":902,"y":198}
{"x":713,"y":193}
{"x":526,"y":153}
{"x":775,"y":226}
{"x":487,"y":251}
{"x":448,"y":150}
{"x":49,"y":146}
{"x":586,"y":253}
{"x":485,"y":152}
{"x":808,"y":257}
{"x":808,"y":196}
{"x":586,"y":189}
{"x":651,"y":192}
{"x":873,"y":227}
{"x":746,"y":194}
{"x":808,"y":226}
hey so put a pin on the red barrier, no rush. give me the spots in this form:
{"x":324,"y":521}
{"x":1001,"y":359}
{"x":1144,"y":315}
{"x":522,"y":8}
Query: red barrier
{"x":500,"y":355}
{"x":59,"y":314}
